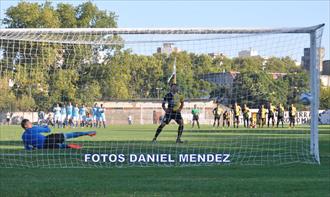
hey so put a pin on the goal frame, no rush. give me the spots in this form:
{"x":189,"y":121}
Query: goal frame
{"x":14,"y":34}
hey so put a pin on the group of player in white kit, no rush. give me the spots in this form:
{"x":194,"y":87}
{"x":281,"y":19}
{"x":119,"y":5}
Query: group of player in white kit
{"x":75,"y":116}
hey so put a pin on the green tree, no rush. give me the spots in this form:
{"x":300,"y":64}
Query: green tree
{"x":248,"y":64}
{"x":26,"y":103}
{"x":48,"y":17}
{"x":7,"y":98}
{"x":63,"y":86}
{"x":88,"y":15}
{"x":325,"y":98}
{"x":297,"y":84}
{"x":89,"y":92}
{"x":257,"y":87}
{"x":23,"y":15}
{"x":35,"y":15}
{"x":67,"y":15}
{"x":47,"y":72}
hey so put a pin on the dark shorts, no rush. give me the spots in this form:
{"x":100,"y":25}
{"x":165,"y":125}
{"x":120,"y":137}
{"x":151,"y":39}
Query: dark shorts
{"x":195,"y":117}
{"x":172,"y":116}
{"x":8,"y":119}
{"x":292,"y":118}
{"x":216,"y":117}
{"x":53,"y":140}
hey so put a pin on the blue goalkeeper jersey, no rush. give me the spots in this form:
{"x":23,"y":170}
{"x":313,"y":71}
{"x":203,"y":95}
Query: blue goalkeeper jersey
{"x":32,"y":138}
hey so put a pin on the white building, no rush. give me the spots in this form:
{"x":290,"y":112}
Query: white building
{"x":325,"y":80}
{"x":248,"y":53}
{"x":168,"y":48}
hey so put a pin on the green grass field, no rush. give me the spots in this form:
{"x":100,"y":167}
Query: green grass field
{"x":264,"y":162}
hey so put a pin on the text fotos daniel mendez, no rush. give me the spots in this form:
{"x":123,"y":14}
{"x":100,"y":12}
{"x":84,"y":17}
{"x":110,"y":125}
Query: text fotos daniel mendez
{"x":157,"y":158}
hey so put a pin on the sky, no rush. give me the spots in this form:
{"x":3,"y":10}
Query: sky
{"x":234,"y":14}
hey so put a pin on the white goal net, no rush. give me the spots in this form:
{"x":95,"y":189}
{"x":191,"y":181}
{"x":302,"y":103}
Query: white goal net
{"x":242,"y":96}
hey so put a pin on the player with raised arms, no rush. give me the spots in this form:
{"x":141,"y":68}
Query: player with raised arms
{"x":173,"y":111}
{"x":33,"y":139}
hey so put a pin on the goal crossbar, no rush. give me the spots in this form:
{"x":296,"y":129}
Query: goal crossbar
{"x":92,"y":31}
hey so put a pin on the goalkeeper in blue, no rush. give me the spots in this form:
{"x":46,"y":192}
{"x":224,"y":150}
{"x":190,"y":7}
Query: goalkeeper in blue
{"x":173,"y":111}
{"x":34,"y":139}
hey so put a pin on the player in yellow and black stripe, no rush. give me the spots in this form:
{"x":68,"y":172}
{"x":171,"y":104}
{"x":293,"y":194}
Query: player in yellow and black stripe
{"x":280,"y":114}
{"x":217,"y":111}
{"x":246,"y":115}
{"x":173,"y":111}
{"x":262,"y":116}
{"x":237,"y":113}
{"x":292,"y":115}
{"x":226,"y":119}
{"x":271,"y":114}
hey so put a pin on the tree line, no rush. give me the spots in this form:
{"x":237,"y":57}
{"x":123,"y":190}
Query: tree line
{"x":33,"y":78}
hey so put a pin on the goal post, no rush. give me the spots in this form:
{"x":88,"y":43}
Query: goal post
{"x":263,"y":70}
{"x":315,"y":40}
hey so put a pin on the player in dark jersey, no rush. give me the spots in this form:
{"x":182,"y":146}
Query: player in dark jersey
{"x":262,"y":116}
{"x":246,"y":115}
{"x":173,"y":111}
{"x":280,"y":114}
{"x":292,"y":115}
{"x":226,"y":119}
{"x":237,"y":113}
{"x":217,"y":111}
{"x":271,"y":114}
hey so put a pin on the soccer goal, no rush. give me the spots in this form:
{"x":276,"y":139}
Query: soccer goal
{"x":250,"y":96}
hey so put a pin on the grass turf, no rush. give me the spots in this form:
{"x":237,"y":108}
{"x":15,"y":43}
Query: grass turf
{"x":271,"y":179}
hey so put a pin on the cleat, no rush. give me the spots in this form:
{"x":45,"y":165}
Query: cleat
{"x":74,"y":146}
{"x":179,"y":141}
{"x":154,"y":141}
